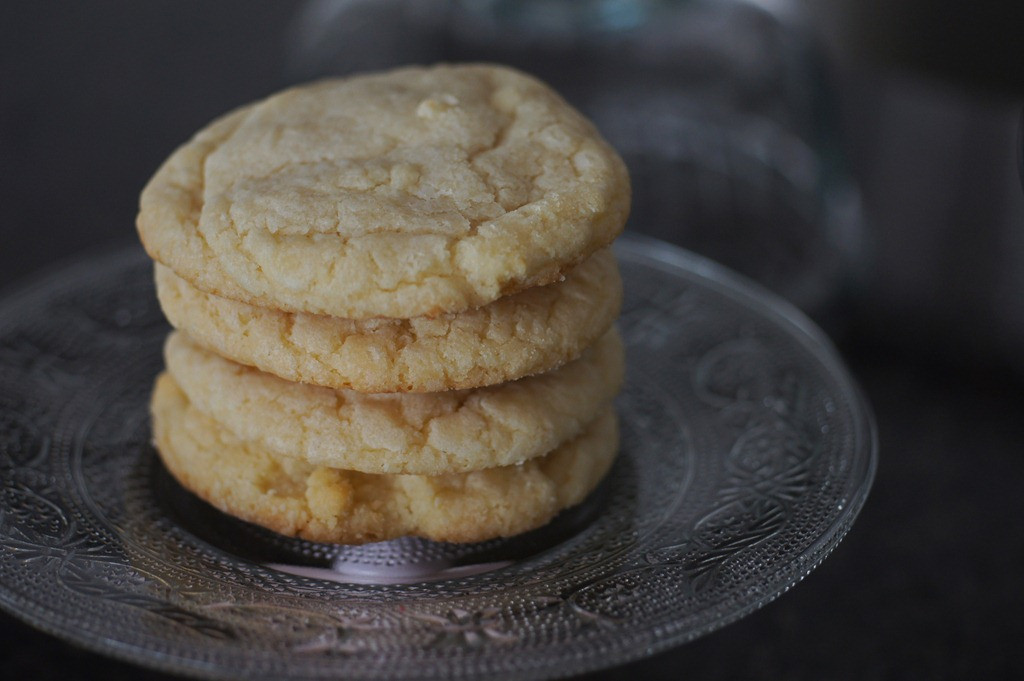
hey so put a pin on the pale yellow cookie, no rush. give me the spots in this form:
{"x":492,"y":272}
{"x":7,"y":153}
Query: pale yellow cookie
{"x":420,"y":433}
{"x":413,"y":192}
{"x":527,"y":333}
{"x":295,"y":498}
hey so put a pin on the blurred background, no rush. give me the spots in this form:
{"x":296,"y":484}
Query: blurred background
{"x":859,"y":158}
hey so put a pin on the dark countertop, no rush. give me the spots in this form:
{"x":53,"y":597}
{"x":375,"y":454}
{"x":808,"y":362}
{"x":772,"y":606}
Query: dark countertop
{"x":927,"y":584}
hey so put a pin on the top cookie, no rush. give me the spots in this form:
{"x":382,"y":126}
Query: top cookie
{"x":412,"y":192}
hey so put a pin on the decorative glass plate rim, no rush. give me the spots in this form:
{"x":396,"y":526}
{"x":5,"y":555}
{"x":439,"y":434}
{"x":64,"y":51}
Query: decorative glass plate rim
{"x":653,"y":253}
{"x":815,"y":340}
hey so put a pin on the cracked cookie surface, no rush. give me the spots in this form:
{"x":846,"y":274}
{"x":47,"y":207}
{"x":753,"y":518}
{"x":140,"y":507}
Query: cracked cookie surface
{"x":527,"y":333}
{"x":420,"y":433}
{"x":296,"y":498}
{"x":412,"y":192}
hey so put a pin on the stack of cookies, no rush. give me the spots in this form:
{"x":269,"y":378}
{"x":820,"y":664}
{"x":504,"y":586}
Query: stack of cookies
{"x":395,"y":297}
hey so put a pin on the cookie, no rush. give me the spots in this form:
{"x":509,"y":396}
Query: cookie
{"x":527,"y":333}
{"x":419,"y":433}
{"x":413,"y":192}
{"x":324,"y":504}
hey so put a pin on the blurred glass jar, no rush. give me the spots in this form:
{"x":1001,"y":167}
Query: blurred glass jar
{"x":719,"y":107}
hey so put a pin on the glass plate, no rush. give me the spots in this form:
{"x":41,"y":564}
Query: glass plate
{"x":746,"y":454}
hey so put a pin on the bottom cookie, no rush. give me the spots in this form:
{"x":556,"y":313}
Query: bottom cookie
{"x":333,"y":505}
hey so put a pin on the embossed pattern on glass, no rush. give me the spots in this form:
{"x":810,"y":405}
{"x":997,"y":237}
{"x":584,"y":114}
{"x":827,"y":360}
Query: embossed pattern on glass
{"x":746,"y":455}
